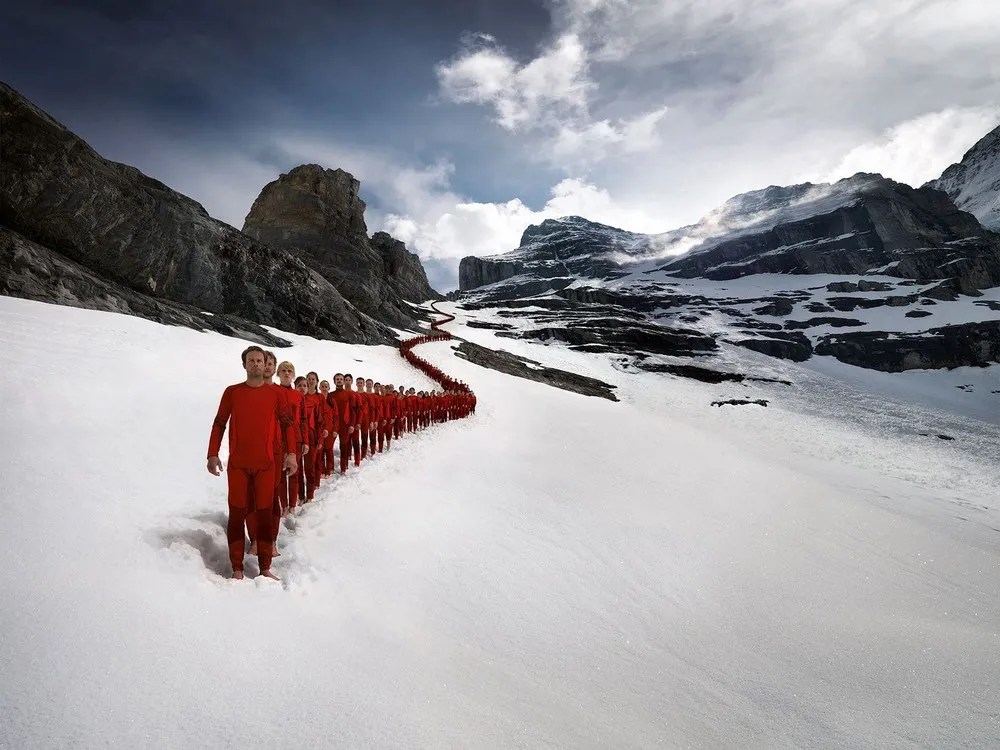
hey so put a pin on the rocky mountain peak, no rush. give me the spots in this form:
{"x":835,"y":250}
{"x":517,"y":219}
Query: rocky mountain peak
{"x":974,"y":182}
{"x":317,"y":215}
{"x":314,"y":201}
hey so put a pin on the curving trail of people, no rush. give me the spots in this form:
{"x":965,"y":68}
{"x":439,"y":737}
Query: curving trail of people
{"x":282,"y":435}
{"x":459,"y":392}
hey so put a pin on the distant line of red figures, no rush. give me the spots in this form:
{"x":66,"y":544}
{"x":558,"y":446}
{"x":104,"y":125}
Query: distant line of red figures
{"x":282,"y":432}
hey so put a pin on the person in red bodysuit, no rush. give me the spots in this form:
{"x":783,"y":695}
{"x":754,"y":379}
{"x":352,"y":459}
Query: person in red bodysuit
{"x":356,"y":415}
{"x":326,"y":460}
{"x":389,"y":394}
{"x":332,"y":427}
{"x":307,"y":426}
{"x":251,"y":409}
{"x":364,"y":416}
{"x":374,"y":414}
{"x":383,"y":417}
{"x":288,"y":487}
{"x":316,"y":407}
{"x":346,"y":403}
{"x":270,"y":365}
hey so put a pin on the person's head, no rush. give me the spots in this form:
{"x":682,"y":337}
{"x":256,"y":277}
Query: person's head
{"x":286,"y":373}
{"x":348,"y":380}
{"x":253,"y":361}
{"x":369,"y":383}
{"x":312,"y":380}
{"x":360,"y":383}
{"x":338,"y":381}
{"x":301,"y":385}
{"x":270,"y":365}
{"x":324,"y":387}
{"x":378,"y":388}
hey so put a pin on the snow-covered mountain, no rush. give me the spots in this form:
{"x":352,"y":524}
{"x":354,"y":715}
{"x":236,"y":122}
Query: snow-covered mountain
{"x":776,"y":270}
{"x":974,"y":182}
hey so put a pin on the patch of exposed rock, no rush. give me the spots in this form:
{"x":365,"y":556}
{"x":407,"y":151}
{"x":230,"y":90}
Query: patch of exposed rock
{"x":964,"y":345}
{"x":512,"y":364}
{"x":37,"y":273}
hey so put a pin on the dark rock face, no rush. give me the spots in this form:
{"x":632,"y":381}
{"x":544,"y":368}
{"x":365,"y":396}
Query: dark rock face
{"x":965,"y":345}
{"x":794,"y":347}
{"x":316,"y":215}
{"x":402,"y":269}
{"x":612,"y":335}
{"x":137,"y":234}
{"x":974,"y":182}
{"x":511,"y":364}
{"x":35,"y":272}
{"x":476,"y":272}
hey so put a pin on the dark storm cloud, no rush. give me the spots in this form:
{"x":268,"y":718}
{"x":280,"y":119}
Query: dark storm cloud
{"x":220,"y":60}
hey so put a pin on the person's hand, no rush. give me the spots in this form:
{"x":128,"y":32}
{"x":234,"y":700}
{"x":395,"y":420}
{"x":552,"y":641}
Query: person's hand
{"x":325,"y":433}
{"x":291,"y":465}
{"x":305,"y":449}
{"x":350,"y":429}
{"x":214,"y":465}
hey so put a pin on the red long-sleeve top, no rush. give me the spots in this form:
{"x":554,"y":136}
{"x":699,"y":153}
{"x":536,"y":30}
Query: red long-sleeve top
{"x":332,"y":414}
{"x":253,"y":415}
{"x":347,"y":407}
{"x":364,"y":412}
{"x":298,"y":413}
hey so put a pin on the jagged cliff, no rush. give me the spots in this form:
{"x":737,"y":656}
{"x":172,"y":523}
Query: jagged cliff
{"x":317,"y":215}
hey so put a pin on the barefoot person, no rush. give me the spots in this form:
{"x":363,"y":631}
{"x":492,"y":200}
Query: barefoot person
{"x":315,"y":406}
{"x":326,"y":460}
{"x":302,"y":386}
{"x":288,"y":487}
{"x":270,"y":366}
{"x":356,"y":416}
{"x":250,"y":409}
{"x":374,"y":415}
{"x":346,"y":403}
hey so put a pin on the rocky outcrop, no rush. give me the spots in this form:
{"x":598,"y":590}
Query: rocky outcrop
{"x":37,"y":273}
{"x":317,"y":215}
{"x":521,"y":367}
{"x":974,"y":182}
{"x":402,"y":269}
{"x":965,"y":345}
{"x":133,"y":233}
{"x":476,"y":272}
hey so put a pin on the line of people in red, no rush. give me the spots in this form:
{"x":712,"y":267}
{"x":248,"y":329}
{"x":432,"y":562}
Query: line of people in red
{"x":282,"y":437}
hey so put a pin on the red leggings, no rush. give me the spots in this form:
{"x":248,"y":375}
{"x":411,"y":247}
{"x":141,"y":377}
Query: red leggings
{"x":327,"y":465}
{"x":365,"y":429}
{"x":251,"y":496}
{"x":372,"y":438}
{"x":345,"y":449}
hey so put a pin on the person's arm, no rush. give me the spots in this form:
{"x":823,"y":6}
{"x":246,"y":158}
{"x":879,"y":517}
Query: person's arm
{"x":218,"y":430}
{"x":334,"y":415}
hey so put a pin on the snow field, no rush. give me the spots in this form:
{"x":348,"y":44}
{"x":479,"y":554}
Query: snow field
{"x":555,"y":571}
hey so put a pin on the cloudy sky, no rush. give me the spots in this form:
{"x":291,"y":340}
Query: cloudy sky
{"x":467,"y":120}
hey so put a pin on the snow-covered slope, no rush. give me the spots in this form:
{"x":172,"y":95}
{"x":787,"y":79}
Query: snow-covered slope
{"x":556,"y":572}
{"x":974,"y":182}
